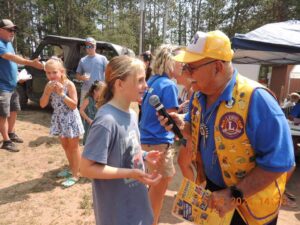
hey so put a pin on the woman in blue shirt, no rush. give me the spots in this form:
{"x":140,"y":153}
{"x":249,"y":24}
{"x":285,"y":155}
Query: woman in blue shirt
{"x":153,"y":135}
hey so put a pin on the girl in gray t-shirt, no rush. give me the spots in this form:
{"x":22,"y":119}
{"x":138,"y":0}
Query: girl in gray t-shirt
{"x":112,"y":155}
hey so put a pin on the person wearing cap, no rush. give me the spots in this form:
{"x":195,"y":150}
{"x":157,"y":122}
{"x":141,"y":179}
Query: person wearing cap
{"x":291,"y":100}
{"x":9,"y":99}
{"x":295,"y":104}
{"x":238,"y":131}
{"x":91,"y":67}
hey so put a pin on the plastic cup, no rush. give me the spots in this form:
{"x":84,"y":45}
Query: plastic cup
{"x":87,"y":75}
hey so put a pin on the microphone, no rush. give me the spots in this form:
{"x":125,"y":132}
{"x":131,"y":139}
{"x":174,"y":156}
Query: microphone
{"x":159,"y":107}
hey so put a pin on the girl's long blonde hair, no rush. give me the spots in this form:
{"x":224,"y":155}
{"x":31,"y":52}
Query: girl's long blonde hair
{"x":56,"y":62}
{"x":163,"y":60}
{"x":120,"y":67}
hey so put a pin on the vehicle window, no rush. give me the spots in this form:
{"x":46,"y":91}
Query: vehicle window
{"x":109,"y":53}
{"x":54,"y":50}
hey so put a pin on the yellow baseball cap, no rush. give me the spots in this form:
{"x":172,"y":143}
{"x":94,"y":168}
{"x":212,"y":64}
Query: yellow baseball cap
{"x":213,"y":44}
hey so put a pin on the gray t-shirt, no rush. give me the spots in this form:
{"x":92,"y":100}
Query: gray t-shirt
{"x":114,"y":140}
{"x":95,"y":66}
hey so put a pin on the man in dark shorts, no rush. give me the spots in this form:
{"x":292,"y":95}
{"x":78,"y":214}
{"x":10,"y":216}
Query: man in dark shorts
{"x":9,"y":99}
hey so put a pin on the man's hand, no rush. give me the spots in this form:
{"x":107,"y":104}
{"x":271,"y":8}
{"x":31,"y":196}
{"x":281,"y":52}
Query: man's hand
{"x":37,"y":64}
{"x":175,"y":116}
{"x":85,"y":77}
{"x":223,"y":202}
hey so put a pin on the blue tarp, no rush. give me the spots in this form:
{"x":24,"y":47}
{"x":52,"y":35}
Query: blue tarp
{"x":274,"y":43}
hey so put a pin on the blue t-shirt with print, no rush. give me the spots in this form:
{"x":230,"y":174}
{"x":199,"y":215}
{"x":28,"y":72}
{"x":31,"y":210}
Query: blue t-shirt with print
{"x":151,"y":130}
{"x":95,"y":66}
{"x":266,"y":128}
{"x":113,"y":140}
{"x":8,"y":69}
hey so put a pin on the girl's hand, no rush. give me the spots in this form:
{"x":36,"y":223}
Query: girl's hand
{"x":59,"y":88}
{"x":49,"y":87}
{"x":148,"y":179}
{"x":153,"y":157}
{"x":89,"y":121}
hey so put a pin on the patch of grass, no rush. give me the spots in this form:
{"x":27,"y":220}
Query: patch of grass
{"x":28,"y":177}
{"x":86,"y":204}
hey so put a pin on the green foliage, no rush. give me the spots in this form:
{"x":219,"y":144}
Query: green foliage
{"x":119,"y":21}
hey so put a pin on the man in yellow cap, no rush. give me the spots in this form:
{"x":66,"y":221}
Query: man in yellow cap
{"x":239,"y":132}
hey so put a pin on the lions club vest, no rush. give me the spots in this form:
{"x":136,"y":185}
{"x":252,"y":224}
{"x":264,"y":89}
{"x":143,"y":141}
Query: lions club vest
{"x":235,"y":154}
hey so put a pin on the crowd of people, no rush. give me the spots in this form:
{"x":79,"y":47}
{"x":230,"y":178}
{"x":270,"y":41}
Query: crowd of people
{"x":223,"y":116}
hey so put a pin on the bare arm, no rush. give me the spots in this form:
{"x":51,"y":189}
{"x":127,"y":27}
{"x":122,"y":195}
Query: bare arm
{"x":186,"y":131}
{"x":44,"y":100}
{"x":71,"y":99}
{"x":95,"y":170}
{"x":83,"y":106}
{"x":20,"y":60}
{"x":255,"y":181}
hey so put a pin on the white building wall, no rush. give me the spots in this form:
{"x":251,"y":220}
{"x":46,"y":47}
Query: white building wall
{"x":248,"y":70}
{"x":295,"y":73}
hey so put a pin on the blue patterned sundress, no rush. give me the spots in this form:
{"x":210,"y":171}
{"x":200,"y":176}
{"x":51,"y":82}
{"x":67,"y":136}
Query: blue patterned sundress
{"x":65,"y":122}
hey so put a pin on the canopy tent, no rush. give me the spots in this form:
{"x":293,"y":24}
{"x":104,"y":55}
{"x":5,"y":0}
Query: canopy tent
{"x":274,"y":43}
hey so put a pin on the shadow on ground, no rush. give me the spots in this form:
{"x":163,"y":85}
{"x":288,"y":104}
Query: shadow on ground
{"x":298,"y":216}
{"x":166,"y":213}
{"x":33,"y":113}
{"x":21,"y":191}
{"x":49,"y":141}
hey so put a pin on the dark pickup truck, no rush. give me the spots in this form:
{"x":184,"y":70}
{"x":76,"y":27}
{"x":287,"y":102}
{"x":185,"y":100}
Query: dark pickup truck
{"x":70,"y":50}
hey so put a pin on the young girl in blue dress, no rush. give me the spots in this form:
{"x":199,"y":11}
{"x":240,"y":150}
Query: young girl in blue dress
{"x":65,"y":121}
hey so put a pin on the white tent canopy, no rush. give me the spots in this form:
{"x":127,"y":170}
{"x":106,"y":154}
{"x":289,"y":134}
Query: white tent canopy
{"x":275,"y":43}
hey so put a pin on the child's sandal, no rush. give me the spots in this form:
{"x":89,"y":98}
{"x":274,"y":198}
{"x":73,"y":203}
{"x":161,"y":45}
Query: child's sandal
{"x":70,"y":182}
{"x":65,"y":173}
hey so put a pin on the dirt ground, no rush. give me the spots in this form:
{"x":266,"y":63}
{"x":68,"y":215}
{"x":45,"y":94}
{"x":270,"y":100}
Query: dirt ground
{"x":30,"y":193}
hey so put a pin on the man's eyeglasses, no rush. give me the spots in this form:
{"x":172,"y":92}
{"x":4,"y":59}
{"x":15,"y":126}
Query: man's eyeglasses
{"x":88,"y":46}
{"x":190,"y":70}
{"x":10,"y":30}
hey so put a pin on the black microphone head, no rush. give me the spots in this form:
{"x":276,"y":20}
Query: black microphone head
{"x":154,"y":100}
